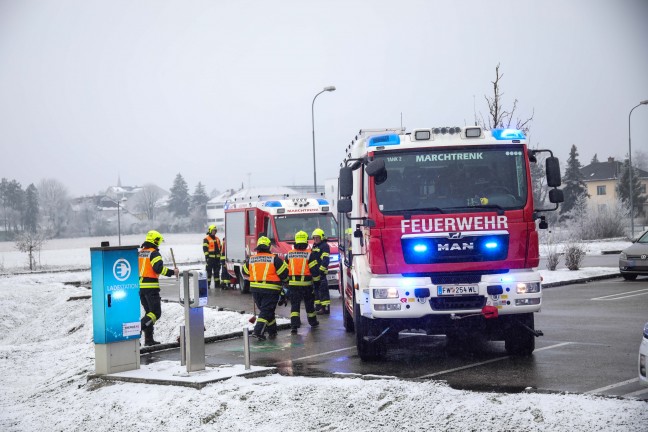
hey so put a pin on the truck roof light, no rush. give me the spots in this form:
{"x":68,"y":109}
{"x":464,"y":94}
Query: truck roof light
{"x":507,"y":134}
{"x":273,"y":204}
{"x":322,"y":201}
{"x":383,"y":140}
{"x":473,"y":132}
{"x":422,"y":135}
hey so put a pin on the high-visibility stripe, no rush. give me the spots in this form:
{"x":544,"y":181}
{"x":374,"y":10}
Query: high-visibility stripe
{"x":144,"y":285}
{"x":294,"y":314}
{"x":299,"y":283}
{"x":265,"y":285}
{"x":262,"y":320}
{"x":152,"y":316}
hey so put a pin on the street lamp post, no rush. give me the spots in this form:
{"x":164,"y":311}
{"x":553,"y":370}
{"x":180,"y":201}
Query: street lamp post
{"x":326,"y":89}
{"x":630,"y":191}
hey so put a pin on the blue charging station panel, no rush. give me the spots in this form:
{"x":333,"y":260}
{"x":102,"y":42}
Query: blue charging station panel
{"x":115,"y":293}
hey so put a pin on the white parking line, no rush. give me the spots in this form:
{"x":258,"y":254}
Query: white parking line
{"x":315,"y":355}
{"x":487,"y":361}
{"x":620,"y":296}
{"x":636,"y":393}
{"x":611,"y":386}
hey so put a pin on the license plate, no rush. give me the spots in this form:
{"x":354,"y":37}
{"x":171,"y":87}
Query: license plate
{"x":450,"y":290}
{"x":331,"y":276}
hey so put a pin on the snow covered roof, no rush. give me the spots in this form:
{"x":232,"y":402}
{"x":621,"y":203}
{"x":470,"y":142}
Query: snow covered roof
{"x":608,"y":170}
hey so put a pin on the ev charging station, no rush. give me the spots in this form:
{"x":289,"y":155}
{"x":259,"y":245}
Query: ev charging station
{"x":115,"y":308}
{"x":193,"y":295}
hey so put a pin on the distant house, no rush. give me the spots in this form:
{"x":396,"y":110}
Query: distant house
{"x":601,"y":179}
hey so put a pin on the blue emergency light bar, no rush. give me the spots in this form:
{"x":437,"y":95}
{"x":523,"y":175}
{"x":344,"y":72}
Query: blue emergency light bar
{"x":383,"y":140}
{"x":322,"y":201}
{"x":507,"y":134}
{"x":273,"y":204}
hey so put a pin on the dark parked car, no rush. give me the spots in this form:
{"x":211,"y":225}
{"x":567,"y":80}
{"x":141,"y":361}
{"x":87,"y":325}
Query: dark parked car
{"x":633,"y":261}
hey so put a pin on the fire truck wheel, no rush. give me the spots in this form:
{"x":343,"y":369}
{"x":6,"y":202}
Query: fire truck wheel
{"x":520,"y":341}
{"x":366,"y":328}
{"x":245,"y":289}
{"x":347,"y":319}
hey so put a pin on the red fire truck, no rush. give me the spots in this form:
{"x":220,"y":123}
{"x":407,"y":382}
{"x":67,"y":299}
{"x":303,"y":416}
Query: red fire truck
{"x":278,"y":217}
{"x":440,"y":236}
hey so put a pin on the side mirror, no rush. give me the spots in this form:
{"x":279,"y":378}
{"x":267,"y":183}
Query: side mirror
{"x":556,"y":196}
{"x":346,"y":183}
{"x":552,"y":168}
{"x":376,"y":168}
{"x":344,"y":205}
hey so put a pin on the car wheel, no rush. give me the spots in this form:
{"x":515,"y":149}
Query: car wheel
{"x":628,"y":276}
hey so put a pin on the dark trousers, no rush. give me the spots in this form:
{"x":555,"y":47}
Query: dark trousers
{"x":322,"y":292}
{"x":225,"y":277}
{"x":296,"y":294}
{"x":266,"y":301}
{"x":213,"y":268}
{"x":150,"y":299}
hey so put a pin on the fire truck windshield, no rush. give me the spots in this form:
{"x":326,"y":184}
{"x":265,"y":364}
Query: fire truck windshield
{"x":288,"y":225}
{"x":442,"y":179}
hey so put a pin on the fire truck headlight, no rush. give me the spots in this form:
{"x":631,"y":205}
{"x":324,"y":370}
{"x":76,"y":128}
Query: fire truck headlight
{"x":385,"y":293}
{"x":528,"y":287}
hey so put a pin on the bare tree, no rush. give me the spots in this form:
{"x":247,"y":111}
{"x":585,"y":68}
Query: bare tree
{"x":146,"y":199}
{"x":498,"y":116}
{"x":640,"y":160}
{"x":54,"y":201}
{"x":31,"y":242}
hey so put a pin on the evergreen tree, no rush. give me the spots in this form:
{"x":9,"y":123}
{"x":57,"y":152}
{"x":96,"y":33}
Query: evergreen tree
{"x":30,"y":219}
{"x":623,"y":189}
{"x":594,"y":159}
{"x":574,"y":186}
{"x":179,"y":200}
{"x":199,"y":198}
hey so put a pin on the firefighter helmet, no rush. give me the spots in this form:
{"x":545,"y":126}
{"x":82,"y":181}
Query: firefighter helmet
{"x":301,"y":237}
{"x":154,"y":237}
{"x":212,"y":228}
{"x":263,"y":242}
{"x":319,"y":232}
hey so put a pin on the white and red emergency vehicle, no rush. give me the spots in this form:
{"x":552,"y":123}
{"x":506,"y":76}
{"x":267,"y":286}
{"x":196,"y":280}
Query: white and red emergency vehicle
{"x":440,"y":236}
{"x":278,"y":217}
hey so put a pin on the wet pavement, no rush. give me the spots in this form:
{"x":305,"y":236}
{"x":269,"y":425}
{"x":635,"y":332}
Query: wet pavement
{"x":592,"y":335}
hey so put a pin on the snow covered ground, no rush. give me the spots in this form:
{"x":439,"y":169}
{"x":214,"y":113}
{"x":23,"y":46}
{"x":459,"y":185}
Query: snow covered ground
{"x":47,"y":353}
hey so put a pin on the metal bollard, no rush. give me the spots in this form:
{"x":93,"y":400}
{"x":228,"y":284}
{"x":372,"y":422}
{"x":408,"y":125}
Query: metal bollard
{"x":183,"y":352}
{"x":246,"y":347}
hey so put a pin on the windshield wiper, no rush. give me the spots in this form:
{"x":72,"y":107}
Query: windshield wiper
{"x":500,"y":209}
{"x":407,"y":213}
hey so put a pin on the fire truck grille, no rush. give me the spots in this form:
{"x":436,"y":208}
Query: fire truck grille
{"x":457,"y":303}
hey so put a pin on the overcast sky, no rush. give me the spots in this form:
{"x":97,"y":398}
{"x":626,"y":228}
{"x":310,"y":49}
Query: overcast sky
{"x":214,"y":90}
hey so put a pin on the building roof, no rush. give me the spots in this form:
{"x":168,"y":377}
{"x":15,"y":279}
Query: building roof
{"x":610,"y":170}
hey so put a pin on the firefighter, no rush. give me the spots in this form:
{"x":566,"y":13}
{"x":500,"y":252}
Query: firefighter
{"x":266,"y":272}
{"x":321,"y":252}
{"x":151,"y":267}
{"x":212,"y":250}
{"x":302,"y":266}
{"x":225,"y":277}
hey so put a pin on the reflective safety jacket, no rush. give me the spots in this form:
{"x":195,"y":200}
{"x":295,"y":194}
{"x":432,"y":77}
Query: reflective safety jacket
{"x":212,"y":246}
{"x":321,"y":253}
{"x":266,"y":271}
{"x":151,"y":266}
{"x":302,"y":266}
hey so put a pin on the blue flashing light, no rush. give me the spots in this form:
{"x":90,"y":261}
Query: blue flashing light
{"x":334,"y":258}
{"x":384,"y":140}
{"x":420,"y":248}
{"x":273,"y":204}
{"x":507,"y":279}
{"x":491,"y":245}
{"x":322,"y":201}
{"x":507,"y":134}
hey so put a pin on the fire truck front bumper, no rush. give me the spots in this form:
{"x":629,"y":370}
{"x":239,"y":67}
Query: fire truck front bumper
{"x":395,"y":296}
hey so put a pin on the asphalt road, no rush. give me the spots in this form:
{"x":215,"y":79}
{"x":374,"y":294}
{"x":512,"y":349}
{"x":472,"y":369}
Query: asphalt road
{"x":592,"y":335}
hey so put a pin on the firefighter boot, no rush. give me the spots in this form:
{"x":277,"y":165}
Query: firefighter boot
{"x":325,"y":310}
{"x":148,"y":337}
{"x":313,"y":322}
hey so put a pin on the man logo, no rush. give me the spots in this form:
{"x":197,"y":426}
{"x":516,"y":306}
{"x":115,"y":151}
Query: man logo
{"x":121,"y":269}
{"x":454,"y":235}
